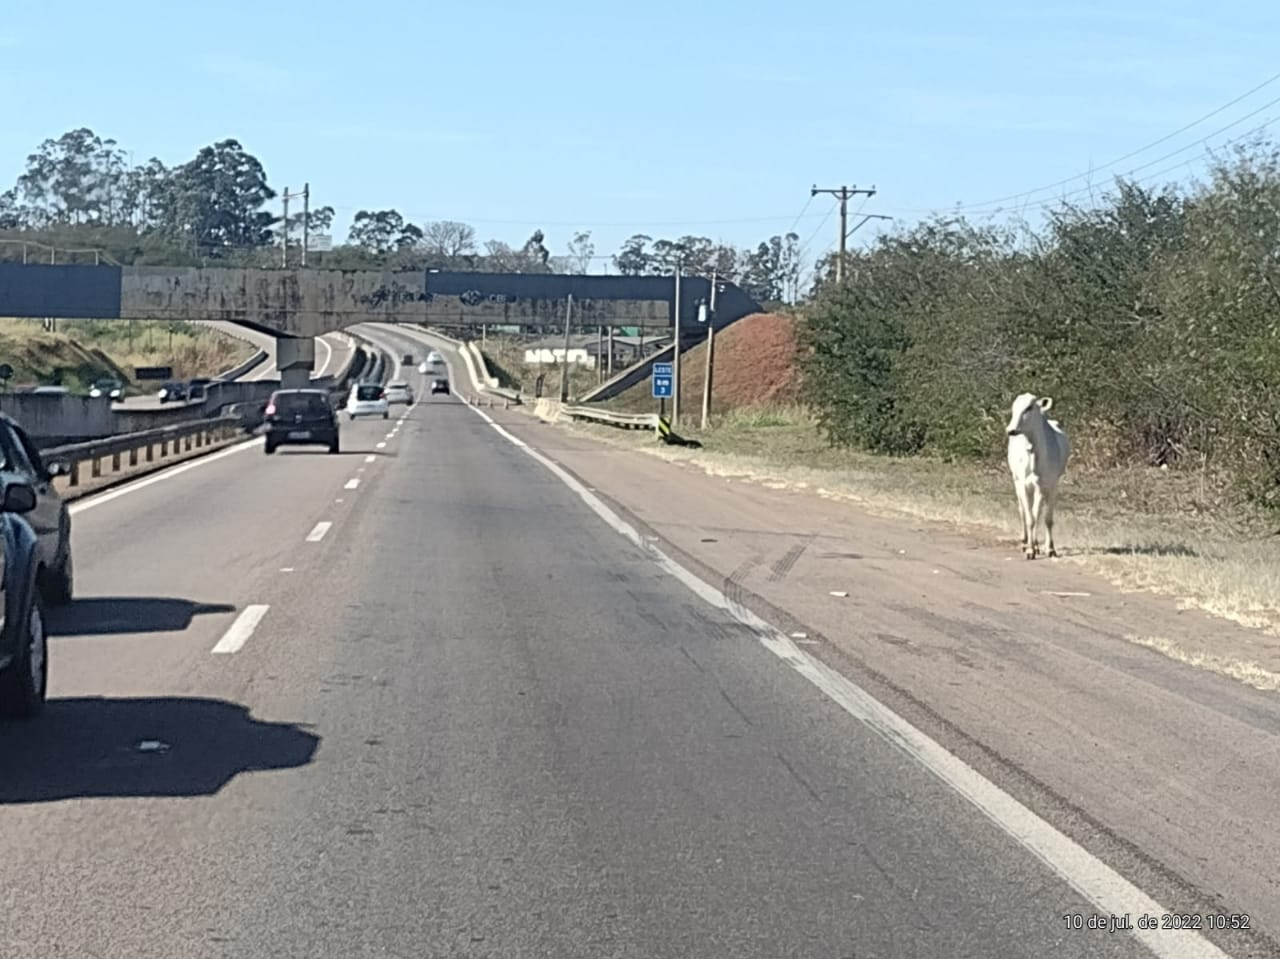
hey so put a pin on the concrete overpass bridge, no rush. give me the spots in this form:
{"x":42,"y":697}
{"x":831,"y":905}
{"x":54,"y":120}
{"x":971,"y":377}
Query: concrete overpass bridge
{"x":297,"y":305}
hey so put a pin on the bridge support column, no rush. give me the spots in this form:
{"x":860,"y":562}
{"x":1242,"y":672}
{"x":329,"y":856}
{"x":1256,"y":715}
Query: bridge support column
{"x":295,"y":359}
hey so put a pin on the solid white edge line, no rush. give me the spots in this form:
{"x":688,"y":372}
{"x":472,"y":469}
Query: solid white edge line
{"x":238,"y":633}
{"x":167,"y":473}
{"x":317,"y":533}
{"x":1084,"y":872}
{"x":352,"y":483}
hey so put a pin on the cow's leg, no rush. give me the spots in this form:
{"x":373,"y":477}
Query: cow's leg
{"x":1049,"y":502}
{"x":1024,"y":509}
{"x":1037,"y":507}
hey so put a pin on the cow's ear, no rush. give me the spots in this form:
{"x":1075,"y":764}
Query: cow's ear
{"x":1046,"y":403}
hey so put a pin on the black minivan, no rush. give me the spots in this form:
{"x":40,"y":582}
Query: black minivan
{"x":300,"y":418}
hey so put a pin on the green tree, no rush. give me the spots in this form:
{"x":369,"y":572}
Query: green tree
{"x":214,"y":202}
{"x":383,"y":231}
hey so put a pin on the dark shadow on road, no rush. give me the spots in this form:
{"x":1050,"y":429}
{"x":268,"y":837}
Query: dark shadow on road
{"x":110,"y":615}
{"x":169,"y":746}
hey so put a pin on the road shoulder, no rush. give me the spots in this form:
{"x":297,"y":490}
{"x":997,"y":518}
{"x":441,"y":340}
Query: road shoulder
{"x":1032,"y":672}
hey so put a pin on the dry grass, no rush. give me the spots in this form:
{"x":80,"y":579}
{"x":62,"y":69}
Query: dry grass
{"x":1142,"y":529}
{"x":81,"y":351}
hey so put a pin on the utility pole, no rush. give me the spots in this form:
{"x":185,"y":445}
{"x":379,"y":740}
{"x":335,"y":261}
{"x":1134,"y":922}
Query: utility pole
{"x":564,"y":365}
{"x":843,"y":194}
{"x":675,"y":356}
{"x":284,"y":225}
{"x":306,"y":220}
{"x":711,"y":347}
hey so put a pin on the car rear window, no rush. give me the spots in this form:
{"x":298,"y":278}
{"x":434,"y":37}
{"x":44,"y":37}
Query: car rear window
{"x":397,"y":386}
{"x":301,"y":403}
{"x":368,"y":392}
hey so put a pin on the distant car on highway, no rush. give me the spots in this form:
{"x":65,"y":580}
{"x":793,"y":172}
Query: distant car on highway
{"x":112,"y":389}
{"x":439,"y":385}
{"x":21,"y":462}
{"x":196,"y":389}
{"x":172,"y":393}
{"x":24,"y":660}
{"x":367,"y":399}
{"x":399,"y":391}
{"x":434,"y":358}
{"x":303,"y":417}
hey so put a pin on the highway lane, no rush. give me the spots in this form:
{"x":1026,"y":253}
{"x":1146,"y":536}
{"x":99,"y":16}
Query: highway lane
{"x":479,"y":724}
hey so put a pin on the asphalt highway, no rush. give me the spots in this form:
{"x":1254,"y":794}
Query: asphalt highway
{"x":417,"y":699}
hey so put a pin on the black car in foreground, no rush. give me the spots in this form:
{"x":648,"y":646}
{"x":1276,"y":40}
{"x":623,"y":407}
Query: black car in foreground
{"x":24,"y":662}
{"x":303,"y":417}
{"x":21,"y":462}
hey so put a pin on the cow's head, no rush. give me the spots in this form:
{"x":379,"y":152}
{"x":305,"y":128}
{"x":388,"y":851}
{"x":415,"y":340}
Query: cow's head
{"x":1028,"y":409}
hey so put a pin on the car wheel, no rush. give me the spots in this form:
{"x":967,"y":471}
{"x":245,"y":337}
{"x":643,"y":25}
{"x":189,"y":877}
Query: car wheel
{"x":386,"y":416}
{"x":60,"y":582}
{"x":351,"y":417}
{"x":268,"y":447}
{"x":24,"y":683}
{"x":333,"y":445}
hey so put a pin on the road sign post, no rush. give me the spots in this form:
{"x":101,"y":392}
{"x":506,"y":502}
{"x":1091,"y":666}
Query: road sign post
{"x":663,"y":383}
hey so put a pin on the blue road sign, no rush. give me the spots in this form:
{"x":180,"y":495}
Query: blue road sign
{"x":664,"y":369}
{"x":662,"y":387}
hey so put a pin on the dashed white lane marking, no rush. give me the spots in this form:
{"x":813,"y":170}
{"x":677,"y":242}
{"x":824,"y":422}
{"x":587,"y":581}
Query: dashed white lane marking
{"x":382,"y":445}
{"x":370,"y":458}
{"x":233,"y":639}
{"x":361,"y":469}
{"x":286,"y":569}
{"x":391,"y":434}
{"x":352,"y":484}
{"x":318,"y":532}
{"x":1088,"y":875}
{"x":338,"y":500}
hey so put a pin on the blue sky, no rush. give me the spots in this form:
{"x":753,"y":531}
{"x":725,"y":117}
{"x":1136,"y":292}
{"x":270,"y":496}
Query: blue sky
{"x":668,"y":118}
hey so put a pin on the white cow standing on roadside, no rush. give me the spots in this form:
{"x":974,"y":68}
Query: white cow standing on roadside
{"x":1038,"y":452}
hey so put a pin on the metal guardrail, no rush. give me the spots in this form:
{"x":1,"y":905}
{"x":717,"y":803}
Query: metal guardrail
{"x":175,"y":438}
{"x":252,"y":363}
{"x":626,"y":421}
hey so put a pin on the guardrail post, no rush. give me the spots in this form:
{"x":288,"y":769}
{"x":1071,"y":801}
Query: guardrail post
{"x":151,"y":452}
{"x":133,"y":456}
{"x":74,"y":478}
{"x":164,"y":448}
{"x":115,"y":462}
{"x":95,"y":467}
{"x":187,"y":445}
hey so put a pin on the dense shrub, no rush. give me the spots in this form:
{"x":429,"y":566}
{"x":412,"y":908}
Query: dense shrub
{"x":1152,"y":318}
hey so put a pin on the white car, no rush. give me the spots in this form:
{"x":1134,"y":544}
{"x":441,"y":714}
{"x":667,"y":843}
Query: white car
{"x":367,"y":399}
{"x":434,"y":359}
{"x":399,"y":391}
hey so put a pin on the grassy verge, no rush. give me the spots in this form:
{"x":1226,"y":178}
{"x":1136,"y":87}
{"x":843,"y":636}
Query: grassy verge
{"x":1147,"y":529}
{"x":81,"y":351}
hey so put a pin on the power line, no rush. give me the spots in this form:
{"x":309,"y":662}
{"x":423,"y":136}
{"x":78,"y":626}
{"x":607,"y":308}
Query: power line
{"x":1071,"y":179}
{"x":1044,"y":204}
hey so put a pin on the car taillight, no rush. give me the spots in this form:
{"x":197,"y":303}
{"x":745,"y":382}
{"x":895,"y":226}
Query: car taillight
{"x":270,"y":410}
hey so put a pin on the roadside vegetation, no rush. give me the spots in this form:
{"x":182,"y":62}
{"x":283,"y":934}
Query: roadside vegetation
{"x":78,"y":352}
